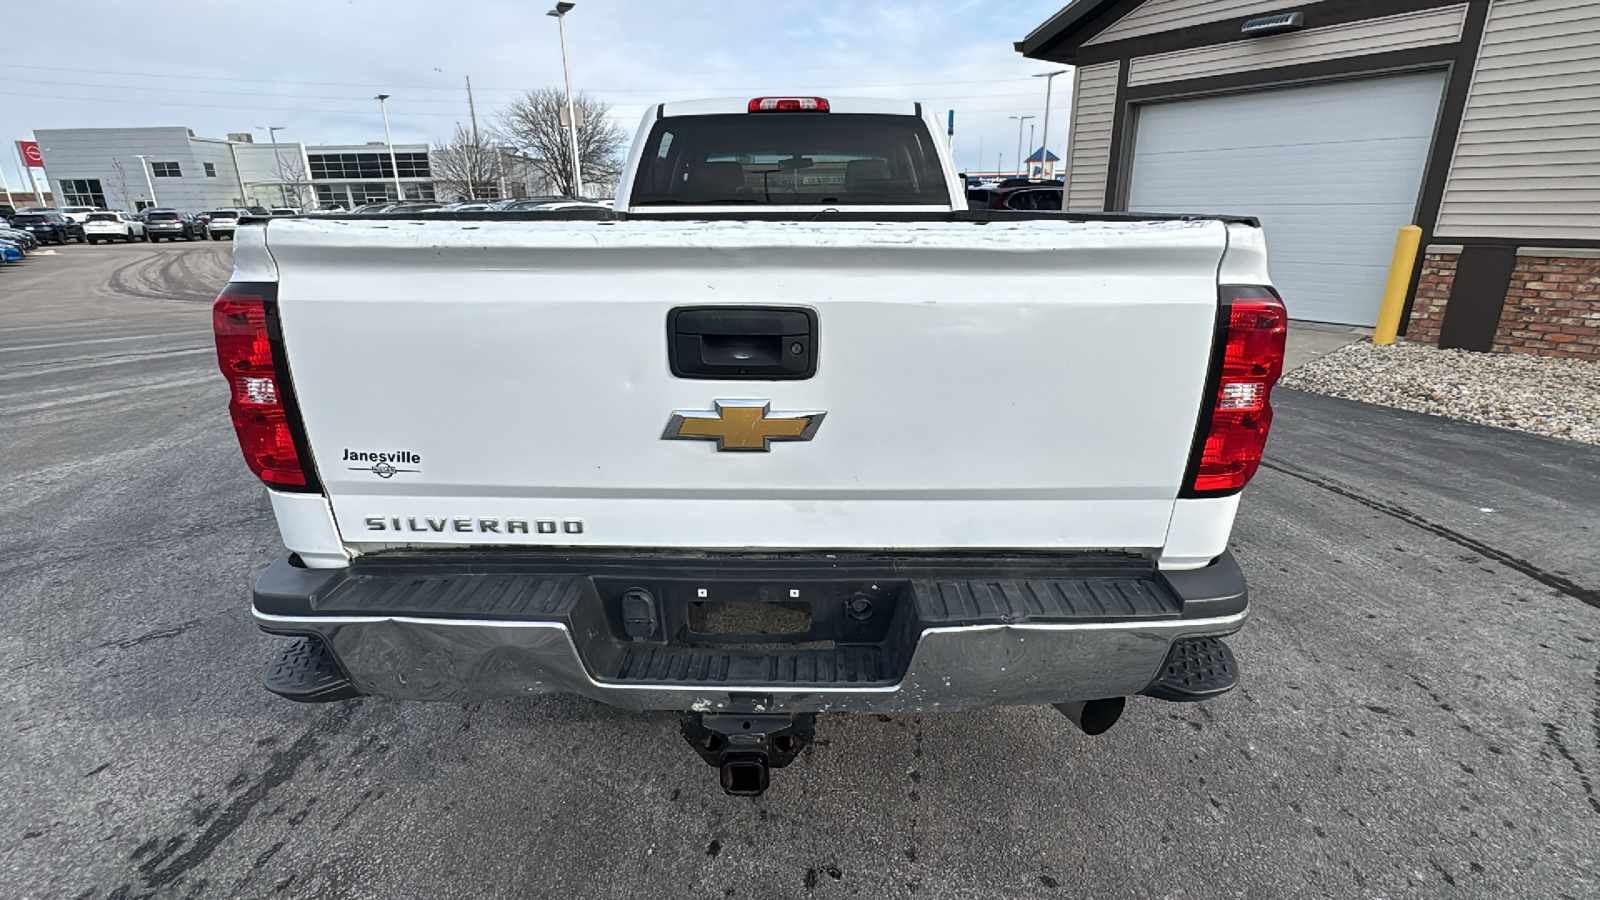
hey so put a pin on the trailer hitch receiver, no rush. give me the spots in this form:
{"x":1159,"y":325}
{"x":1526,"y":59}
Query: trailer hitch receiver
{"x":745,"y":748}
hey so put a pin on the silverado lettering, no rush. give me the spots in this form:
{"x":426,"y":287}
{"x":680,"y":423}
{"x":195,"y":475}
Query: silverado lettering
{"x":465,"y":525}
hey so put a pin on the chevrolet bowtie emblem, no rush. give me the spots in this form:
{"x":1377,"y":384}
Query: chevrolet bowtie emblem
{"x":742,"y":425}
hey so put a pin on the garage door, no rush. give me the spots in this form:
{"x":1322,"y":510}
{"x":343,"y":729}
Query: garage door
{"x":1332,"y":171}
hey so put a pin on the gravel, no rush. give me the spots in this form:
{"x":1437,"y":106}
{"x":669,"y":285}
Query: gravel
{"x":1537,"y":394}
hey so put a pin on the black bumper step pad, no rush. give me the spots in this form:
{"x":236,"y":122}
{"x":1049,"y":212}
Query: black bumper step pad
{"x":841,"y":665}
{"x":1196,"y":669}
{"x":981,"y":602}
{"x":305,"y":670}
{"x":458,"y":595}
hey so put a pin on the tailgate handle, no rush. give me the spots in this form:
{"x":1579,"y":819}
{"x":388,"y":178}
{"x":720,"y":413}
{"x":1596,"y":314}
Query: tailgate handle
{"x":758,"y":343}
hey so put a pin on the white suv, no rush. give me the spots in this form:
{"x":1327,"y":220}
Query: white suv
{"x":111,"y":226}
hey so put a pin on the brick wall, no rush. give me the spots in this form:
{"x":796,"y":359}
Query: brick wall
{"x":1433,"y":294}
{"x":1552,"y":308}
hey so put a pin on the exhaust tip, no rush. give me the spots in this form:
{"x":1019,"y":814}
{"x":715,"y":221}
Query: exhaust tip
{"x":1094,"y":717}
{"x":745,"y":776}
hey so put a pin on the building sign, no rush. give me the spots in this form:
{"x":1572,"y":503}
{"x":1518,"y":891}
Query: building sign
{"x":30,"y":154}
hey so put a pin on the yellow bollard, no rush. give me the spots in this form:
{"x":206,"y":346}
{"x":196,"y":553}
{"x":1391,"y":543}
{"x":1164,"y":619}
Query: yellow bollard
{"x":1394,"y":294}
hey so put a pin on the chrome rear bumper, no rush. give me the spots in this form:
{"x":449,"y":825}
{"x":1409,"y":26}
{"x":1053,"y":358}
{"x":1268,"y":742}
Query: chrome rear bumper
{"x":987,"y":641}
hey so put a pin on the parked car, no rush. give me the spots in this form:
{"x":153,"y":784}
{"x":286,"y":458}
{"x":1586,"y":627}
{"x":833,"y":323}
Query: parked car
{"x":114,"y":226}
{"x":1034,"y":197}
{"x":171,"y":224}
{"x":999,"y":195}
{"x":10,"y":252}
{"x":500,"y":205}
{"x":7,"y":211}
{"x":50,"y":226}
{"x":21,"y":238}
{"x":79,"y":214}
{"x":222,"y":222}
{"x":530,"y":204}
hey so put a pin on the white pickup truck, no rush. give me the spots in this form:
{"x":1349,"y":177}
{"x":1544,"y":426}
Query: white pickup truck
{"x":789,"y":431}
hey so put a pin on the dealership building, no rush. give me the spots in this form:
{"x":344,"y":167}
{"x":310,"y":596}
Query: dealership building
{"x":1336,"y":122}
{"x":133,"y":168}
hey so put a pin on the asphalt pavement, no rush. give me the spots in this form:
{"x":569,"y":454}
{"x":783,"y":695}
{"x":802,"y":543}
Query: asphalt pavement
{"x":1420,"y":715}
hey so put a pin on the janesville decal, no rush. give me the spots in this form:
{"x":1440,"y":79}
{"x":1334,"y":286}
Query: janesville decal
{"x":384,"y":465}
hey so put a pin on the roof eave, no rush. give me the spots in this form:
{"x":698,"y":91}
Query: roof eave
{"x":1060,"y":36}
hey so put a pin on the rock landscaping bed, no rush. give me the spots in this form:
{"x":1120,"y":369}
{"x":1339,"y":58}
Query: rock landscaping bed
{"x":1542,"y":395}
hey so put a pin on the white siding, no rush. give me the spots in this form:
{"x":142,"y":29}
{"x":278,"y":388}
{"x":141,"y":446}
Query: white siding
{"x":1094,"y":107}
{"x":1165,"y":15}
{"x":1402,"y":32}
{"x":1527,"y":162}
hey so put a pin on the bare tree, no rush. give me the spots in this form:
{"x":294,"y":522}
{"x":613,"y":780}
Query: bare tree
{"x":532,"y":126}
{"x":466,"y":168}
{"x":121,"y":183}
{"x":291,"y":176}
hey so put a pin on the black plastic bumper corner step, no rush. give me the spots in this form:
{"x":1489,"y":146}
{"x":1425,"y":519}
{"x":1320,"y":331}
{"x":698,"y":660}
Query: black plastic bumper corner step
{"x":304,"y":670}
{"x":1196,"y":669}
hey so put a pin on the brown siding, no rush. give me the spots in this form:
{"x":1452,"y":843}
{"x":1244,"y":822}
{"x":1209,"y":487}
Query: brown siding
{"x":1527,"y":162}
{"x":1157,"y":16}
{"x":1403,"y":32}
{"x":1094,"y":106}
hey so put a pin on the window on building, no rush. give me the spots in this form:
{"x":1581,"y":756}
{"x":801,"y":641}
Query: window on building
{"x":83,"y":192}
{"x":332,"y":166}
{"x":211,"y":170}
{"x":165,"y":170}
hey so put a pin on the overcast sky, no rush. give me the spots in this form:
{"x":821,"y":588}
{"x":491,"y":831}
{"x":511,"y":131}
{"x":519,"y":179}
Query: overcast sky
{"x":314,"y":66}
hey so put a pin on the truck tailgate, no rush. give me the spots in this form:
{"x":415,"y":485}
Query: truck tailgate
{"x":1027,"y":384}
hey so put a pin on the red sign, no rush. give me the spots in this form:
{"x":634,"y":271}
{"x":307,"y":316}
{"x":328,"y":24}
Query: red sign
{"x":30,"y":154}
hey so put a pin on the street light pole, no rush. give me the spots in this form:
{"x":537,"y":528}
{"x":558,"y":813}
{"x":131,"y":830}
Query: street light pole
{"x":147,"y":182}
{"x":560,"y":14}
{"x":1029,"y":171}
{"x":394,"y":165}
{"x":1049,"y":80}
{"x":1020,"y":120}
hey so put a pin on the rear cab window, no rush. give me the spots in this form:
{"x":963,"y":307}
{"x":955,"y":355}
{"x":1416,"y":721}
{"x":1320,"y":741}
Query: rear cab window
{"x":790,"y":159}
{"x":104,"y":217}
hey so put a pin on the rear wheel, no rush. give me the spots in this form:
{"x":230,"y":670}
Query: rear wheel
{"x":188,"y":235}
{"x":94,"y":240}
{"x":154,"y":239}
{"x":61,"y":238}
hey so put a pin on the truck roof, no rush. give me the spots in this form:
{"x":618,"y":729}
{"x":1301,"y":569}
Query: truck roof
{"x":836,"y":105}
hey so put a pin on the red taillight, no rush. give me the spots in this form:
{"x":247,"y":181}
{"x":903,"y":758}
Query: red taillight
{"x":1241,"y":412}
{"x":258,"y":400}
{"x":788,"y":104}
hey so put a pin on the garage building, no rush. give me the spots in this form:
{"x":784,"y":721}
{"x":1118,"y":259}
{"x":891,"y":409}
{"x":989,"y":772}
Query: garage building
{"x":1337,"y":122}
